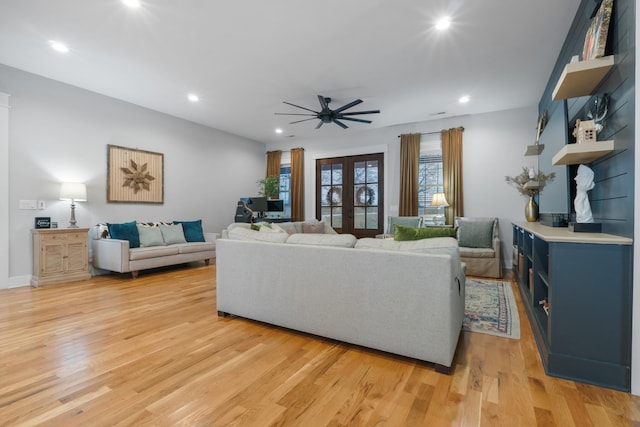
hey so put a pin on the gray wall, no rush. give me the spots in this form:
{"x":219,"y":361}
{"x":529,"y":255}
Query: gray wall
{"x":493,"y":146}
{"x":60,"y":133}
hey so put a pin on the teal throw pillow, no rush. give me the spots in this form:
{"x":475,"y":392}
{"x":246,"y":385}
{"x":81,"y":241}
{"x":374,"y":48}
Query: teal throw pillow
{"x":402,"y":233}
{"x":192,"y":230}
{"x":150,"y":236}
{"x":172,"y":234}
{"x":125,"y":231}
{"x":475,"y":234}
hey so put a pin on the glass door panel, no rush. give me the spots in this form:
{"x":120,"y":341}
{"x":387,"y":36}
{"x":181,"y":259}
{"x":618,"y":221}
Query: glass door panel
{"x":349,"y":194}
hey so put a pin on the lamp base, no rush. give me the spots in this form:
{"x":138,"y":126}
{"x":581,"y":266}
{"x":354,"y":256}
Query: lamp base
{"x":72,"y":220}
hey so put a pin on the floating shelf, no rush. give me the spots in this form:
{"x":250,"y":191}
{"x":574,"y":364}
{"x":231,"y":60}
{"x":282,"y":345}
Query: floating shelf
{"x":573,"y":154}
{"x":531,"y":185}
{"x":533,"y":150}
{"x":581,"y":78}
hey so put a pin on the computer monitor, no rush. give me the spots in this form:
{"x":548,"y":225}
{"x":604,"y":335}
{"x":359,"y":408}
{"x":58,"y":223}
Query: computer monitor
{"x":258,"y":204}
{"x":275,"y":205}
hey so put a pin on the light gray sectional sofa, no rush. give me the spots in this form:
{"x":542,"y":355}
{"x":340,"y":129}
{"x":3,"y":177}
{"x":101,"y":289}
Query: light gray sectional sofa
{"x":405,"y":298}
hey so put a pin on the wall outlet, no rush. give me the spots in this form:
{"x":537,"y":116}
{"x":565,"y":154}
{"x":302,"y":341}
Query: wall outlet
{"x":28,"y":204}
{"x":41,"y":204}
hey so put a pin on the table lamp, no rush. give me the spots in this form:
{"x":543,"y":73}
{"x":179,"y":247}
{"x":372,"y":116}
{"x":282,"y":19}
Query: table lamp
{"x":439,"y":201}
{"x":76,"y":192}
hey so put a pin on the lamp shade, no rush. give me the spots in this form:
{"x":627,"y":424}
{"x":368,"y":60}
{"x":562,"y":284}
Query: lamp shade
{"x":73,"y":191}
{"x":439,"y":200}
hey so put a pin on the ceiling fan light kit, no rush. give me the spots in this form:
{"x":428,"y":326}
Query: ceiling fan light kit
{"x":327,"y":115}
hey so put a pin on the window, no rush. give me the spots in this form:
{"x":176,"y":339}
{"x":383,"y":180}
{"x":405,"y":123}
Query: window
{"x":285,"y":189}
{"x":429,"y":182}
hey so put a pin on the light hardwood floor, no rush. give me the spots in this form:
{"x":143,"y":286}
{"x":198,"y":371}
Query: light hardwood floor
{"x":112,"y":351}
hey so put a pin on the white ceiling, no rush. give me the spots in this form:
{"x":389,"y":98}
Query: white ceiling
{"x":243,"y":58}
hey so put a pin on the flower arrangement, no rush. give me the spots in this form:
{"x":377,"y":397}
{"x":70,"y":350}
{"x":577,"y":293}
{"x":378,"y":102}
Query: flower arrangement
{"x":530,"y":183}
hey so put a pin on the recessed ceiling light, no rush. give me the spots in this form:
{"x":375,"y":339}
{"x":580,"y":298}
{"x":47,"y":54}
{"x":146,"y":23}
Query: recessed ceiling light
{"x":58,"y":46}
{"x":464,"y":99}
{"x":278,"y":130}
{"x":132,"y":3}
{"x":193,"y":97}
{"x":443,"y":23}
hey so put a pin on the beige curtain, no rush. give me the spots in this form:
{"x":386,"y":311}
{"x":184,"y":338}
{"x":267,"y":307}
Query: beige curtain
{"x":409,"y":165}
{"x":452,"y":172}
{"x":273,"y":162}
{"x":297,"y":184}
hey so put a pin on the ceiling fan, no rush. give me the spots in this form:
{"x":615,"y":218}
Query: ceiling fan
{"x":327,"y":115}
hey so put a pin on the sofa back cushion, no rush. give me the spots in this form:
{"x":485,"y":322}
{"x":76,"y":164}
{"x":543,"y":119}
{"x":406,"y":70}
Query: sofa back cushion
{"x":338,"y":240}
{"x":407,"y":221}
{"x":476,"y":232}
{"x":241,"y":233}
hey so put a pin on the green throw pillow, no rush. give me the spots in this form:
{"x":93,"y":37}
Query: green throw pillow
{"x":475,"y":234}
{"x":402,"y":233}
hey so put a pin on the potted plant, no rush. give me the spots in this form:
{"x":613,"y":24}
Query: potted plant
{"x":530,"y":183}
{"x":270,"y":186}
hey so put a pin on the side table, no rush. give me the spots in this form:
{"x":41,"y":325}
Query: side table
{"x":60,"y":255}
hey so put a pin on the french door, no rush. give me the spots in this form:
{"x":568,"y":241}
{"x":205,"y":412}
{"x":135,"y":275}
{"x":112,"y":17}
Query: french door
{"x":350,"y":193}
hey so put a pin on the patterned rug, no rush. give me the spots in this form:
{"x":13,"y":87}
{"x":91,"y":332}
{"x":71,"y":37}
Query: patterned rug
{"x":490,"y":308}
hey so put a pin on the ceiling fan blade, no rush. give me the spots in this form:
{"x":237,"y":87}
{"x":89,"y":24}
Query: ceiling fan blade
{"x":339,"y":123}
{"x":294,"y":114}
{"x":361,"y":112}
{"x":355,"y":120}
{"x":303,"y":120}
{"x":304,"y":108}
{"x":347,"y":106}
{"x":319,"y":124}
{"x":323,"y":102}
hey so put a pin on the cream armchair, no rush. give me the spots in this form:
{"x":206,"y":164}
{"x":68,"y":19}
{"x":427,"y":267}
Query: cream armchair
{"x":479,"y":243}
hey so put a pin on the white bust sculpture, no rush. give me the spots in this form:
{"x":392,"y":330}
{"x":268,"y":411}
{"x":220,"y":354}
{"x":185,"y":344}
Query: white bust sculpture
{"x":584,"y":183}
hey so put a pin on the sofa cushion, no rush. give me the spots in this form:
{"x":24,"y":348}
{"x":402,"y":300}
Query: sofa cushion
{"x":403,"y":233}
{"x":189,"y":248}
{"x":288,"y":227}
{"x":313,"y":227}
{"x":407,"y":221}
{"x":152,"y":252}
{"x":477,"y":252}
{"x":125,"y":231}
{"x":339,"y":240}
{"x":172,"y":234}
{"x":475,"y":234}
{"x":240,"y":233}
{"x":436,"y":245}
{"x":149,"y":236}
{"x":192,"y":230}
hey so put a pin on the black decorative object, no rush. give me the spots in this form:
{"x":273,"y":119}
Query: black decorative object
{"x":43,"y":222}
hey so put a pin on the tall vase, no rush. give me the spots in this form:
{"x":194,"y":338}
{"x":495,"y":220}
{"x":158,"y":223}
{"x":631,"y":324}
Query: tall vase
{"x":531,"y":210}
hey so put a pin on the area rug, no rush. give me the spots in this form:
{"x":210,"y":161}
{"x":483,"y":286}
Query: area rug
{"x":490,"y":308}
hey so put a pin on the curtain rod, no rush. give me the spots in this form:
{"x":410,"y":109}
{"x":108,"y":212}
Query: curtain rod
{"x":432,"y":133}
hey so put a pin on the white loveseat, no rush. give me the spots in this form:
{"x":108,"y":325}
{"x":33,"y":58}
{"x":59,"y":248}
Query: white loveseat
{"x":405,"y":298}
